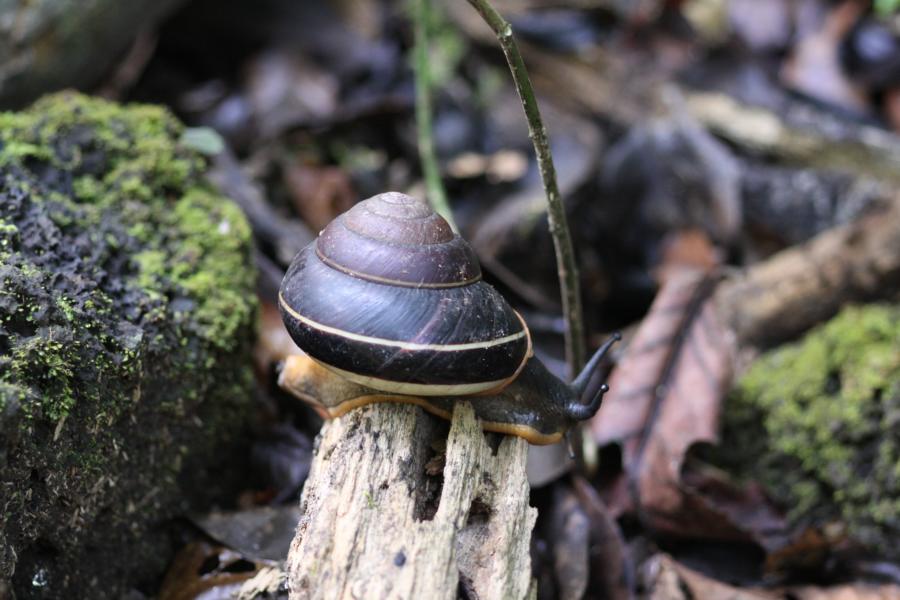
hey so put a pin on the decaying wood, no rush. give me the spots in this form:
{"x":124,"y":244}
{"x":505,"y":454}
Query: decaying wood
{"x":797,"y":288}
{"x":822,"y":142}
{"x":376,"y":525}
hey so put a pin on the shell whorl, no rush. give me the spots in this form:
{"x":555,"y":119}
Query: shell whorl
{"x":393,"y":238}
{"x":390,"y":297}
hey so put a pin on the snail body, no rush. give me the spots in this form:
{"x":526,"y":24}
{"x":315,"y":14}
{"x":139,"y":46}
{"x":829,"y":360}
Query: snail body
{"x":389,"y":304}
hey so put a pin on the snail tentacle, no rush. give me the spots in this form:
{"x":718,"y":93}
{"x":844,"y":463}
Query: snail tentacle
{"x":583,"y":408}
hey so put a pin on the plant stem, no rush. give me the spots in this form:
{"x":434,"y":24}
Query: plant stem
{"x":434,"y":187}
{"x":556,"y":214}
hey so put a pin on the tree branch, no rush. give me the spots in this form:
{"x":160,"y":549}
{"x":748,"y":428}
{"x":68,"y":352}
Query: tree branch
{"x":556,"y":214}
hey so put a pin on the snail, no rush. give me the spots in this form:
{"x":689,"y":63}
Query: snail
{"x":390,"y":305}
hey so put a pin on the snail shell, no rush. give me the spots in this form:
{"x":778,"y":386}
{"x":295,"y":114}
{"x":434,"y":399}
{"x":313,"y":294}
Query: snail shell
{"x":391,"y":298}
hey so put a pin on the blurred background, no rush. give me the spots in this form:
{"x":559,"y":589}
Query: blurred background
{"x":688,"y":135}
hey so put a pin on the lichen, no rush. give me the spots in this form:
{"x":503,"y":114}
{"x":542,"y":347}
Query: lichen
{"x":818,"y":422}
{"x":126,"y":311}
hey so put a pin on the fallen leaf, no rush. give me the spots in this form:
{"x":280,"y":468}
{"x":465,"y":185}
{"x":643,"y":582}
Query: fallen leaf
{"x":665,"y":393}
{"x":319,"y":192}
{"x":857,"y":591}
{"x":281,"y":456}
{"x":569,"y":538}
{"x":612,"y":573}
{"x":257,"y":534}
{"x":666,"y":579}
{"x":664,"y":397}
{"x":273,"y":344}
{"x":205,"y":570}
{"x":687,"y":248}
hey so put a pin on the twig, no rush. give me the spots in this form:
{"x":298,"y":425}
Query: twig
{"x":559,"y":229}
{"x":437,"y":197}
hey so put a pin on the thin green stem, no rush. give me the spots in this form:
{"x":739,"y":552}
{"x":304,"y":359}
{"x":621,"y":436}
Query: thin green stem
{"x":434,"y":187}
{"x":559,"y":228}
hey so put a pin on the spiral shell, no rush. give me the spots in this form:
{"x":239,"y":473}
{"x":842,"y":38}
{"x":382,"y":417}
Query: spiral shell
{"x":390,"y":297}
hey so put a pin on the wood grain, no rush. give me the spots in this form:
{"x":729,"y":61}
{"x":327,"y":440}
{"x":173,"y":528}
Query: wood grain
{"x":370,"y":528}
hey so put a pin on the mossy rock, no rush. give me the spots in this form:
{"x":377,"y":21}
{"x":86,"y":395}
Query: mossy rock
{"x":818,"y":422}
{"x":126,"y":317}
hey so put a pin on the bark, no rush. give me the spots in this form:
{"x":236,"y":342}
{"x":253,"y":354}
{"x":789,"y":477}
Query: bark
{"x":376,"y":525}
{"x":797,"y":288}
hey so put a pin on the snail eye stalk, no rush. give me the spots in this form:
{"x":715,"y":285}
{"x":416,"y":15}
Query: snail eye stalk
{"x":584,"y":408}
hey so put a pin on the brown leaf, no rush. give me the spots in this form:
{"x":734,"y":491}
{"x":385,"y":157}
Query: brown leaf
{"x":205,"y":570}
{"x":273,"y":344}
{"x":690,"y":248}
{"x":664,"y":397}
{"x":258,"y":534}
{"x":319,"y":193}
{"x":569,"y":538}
{"x":666,"y":579}
{"x":612,"y":574}
{"x":809,"y":548}
{"x":665,"y":394}
{"x":743,"y":511}
{"x":857,"y":591}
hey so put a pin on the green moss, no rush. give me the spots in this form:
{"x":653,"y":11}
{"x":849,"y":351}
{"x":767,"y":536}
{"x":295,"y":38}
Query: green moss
{"x":819,"y":423}
{"x":126,"y":310}
{"x":128,"y":161}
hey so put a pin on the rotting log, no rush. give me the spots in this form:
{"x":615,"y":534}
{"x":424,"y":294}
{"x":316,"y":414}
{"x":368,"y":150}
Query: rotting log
{"x":383,"y":519}
{"x":804,"y":285}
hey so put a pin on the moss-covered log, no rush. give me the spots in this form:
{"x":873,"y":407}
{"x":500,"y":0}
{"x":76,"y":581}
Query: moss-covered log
{"x":126,"y":312}
{"x":818,"y":422}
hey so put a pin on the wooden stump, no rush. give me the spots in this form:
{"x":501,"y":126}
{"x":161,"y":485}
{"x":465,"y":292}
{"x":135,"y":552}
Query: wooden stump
{"x":382,"y":518}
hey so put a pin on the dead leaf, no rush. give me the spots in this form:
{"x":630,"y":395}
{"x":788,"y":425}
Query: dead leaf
{"x":206,"y":570}
{"x":281,"y":456}
{"x":319,"y":192}
{"x":857,"y":591}
{"x":569,"y":539}
{"x":666,"y":579}
{"x":763,"y":25}
{"x":723,"y":504}
{"x":666,"y":391}
{"x":273,"y":344}
{"x":687,"y":248}
{"x":665,"y":396}
{"x":808,"y":549}
{"x":612,"y":573}
{"x":259,"y":534}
